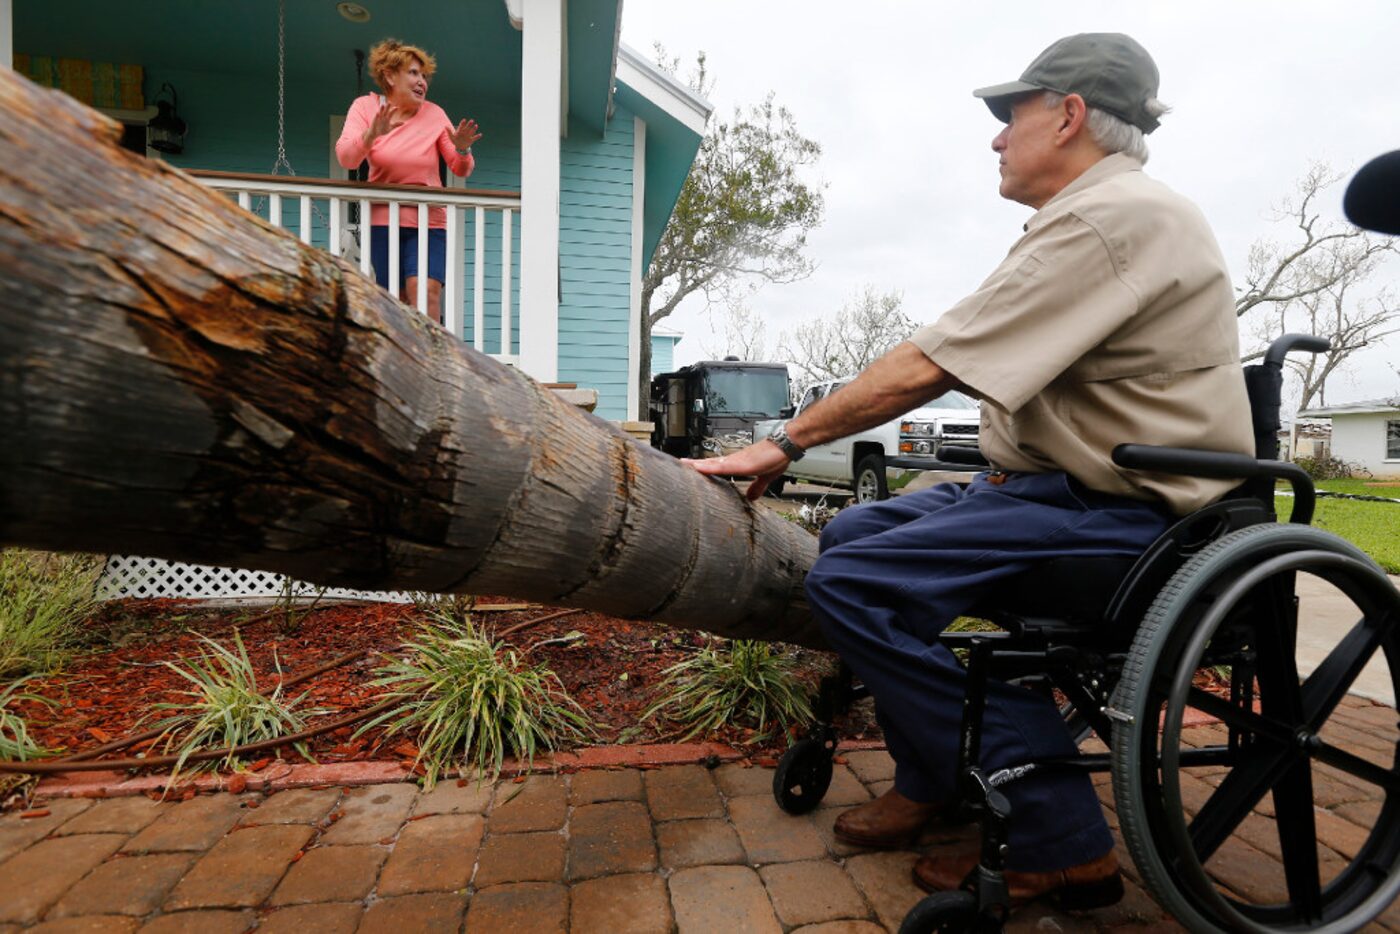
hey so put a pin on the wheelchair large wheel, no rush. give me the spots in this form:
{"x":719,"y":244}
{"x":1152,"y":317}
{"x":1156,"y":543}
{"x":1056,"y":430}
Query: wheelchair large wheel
{"x":1187,"y":804}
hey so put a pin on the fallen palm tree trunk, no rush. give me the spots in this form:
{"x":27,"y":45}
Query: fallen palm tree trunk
{"x":181,"y":380}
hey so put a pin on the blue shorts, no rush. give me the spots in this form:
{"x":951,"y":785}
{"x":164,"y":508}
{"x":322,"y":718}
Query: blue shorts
{"x":408,"y":254}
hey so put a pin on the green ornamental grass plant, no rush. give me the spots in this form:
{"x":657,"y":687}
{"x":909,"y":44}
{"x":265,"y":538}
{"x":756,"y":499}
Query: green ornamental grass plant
{"x":44,"y":599}
{"x":740,"y":682}
{"x":225,"y":708}
{"x":15,"y":741}
{"x":467,"y":701}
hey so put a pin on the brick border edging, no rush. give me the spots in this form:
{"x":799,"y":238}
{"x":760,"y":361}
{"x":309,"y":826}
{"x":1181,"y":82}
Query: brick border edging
{"x":280,"y":776}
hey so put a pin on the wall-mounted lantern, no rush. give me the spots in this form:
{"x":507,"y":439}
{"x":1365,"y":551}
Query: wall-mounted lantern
{"x":166,"y":131}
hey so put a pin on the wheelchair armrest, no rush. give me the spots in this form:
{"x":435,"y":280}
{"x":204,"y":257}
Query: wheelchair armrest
{"x":1223,"y":466}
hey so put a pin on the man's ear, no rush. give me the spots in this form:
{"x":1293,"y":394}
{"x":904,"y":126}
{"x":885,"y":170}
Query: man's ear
{"x":1073,"y":113}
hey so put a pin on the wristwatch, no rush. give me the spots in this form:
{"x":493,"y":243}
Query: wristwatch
{"x":791,"y":448}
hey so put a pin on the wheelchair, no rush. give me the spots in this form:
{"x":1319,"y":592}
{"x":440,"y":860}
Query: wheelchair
{"x":1217,"y":591}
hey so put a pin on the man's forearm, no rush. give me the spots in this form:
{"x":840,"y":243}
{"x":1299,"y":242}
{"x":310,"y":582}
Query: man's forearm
{"x":901,"y":380}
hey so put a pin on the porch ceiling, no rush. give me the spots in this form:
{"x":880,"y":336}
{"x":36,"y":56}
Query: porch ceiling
{"x":473,"y":41}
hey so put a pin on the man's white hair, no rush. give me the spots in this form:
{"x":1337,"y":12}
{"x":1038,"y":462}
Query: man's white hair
{"x":1112,"y":134}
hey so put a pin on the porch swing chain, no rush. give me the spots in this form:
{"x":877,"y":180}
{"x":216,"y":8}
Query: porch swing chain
{"x":282,"y":160}
{"x":282,"y":91}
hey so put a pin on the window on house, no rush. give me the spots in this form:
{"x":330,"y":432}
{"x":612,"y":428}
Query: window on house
{"x":1392,"y":440}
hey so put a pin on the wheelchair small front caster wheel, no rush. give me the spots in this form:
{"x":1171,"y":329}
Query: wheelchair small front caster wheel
{"x":944,"y":913}
{"x":804,"y":775}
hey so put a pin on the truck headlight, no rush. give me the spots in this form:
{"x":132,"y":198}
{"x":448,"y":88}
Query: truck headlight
{"x":919,"y":429}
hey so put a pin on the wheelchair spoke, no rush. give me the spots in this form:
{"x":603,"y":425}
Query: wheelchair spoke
{"x":1239,"y":717}
{"x":1237,"y":795}
{"x":1280,"y":696}
{"x":1297,"y":837}
{"x":1330,"y":681}
{"x":1355,"y":765}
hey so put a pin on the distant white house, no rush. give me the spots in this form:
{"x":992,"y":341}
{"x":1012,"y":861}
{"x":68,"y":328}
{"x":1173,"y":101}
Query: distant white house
{"x":1365,"y":433}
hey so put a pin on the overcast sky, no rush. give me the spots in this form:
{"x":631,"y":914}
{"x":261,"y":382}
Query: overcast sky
{"x":1258,"y":89}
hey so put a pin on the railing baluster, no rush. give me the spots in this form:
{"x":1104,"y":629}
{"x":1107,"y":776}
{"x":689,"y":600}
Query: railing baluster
{"x":274,"y":209}
{"x":478,"y":260}
{"x":245,"y":200}
{"x":451,"y":289}
{"x":333,"y":235}
{"x":305,"y":219}
{"x":507,"y":339}
{"x":394,"y":273}
{"x":422,"y":299}
{"x":365,"y":266}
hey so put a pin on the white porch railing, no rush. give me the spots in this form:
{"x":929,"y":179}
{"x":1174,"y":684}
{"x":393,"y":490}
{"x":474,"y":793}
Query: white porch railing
{"x":334,"y":215}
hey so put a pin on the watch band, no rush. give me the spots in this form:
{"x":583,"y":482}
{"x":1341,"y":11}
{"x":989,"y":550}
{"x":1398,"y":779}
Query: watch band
{"x":791,"y":448}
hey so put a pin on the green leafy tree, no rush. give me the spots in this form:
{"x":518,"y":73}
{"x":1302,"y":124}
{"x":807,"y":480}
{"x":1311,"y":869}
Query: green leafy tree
{"x":743,"y":214}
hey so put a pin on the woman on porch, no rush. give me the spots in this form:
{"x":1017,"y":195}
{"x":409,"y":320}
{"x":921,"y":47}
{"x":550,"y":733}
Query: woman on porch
{"x":403,"y":134}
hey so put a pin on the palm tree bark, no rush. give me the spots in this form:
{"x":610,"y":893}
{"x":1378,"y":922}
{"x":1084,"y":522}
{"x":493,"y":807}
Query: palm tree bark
{"x":181,"y":380}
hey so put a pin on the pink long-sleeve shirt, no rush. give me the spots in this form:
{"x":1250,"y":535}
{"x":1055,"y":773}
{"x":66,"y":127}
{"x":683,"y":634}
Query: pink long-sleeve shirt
{"x":406,"y":155}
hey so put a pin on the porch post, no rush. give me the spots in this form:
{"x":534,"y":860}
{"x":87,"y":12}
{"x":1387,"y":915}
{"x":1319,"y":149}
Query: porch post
{"x":541,"y":97}
{"x":635,"y":404}
{"x":7,"y":33}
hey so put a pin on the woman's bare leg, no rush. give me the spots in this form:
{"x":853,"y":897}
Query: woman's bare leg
{"x":410,"y":298}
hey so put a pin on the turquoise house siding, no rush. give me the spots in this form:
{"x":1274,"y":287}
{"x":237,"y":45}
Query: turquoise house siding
{"x":663,"y":353}
{"x":595,"y":260}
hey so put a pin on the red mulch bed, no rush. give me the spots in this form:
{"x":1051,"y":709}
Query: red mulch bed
{"x":110,"y":692}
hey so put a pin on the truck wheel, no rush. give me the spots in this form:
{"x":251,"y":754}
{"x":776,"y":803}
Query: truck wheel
{"x":869,"y":482}
{"x":776,"y":487}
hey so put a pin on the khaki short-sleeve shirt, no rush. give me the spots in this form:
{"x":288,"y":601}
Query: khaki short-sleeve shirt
{"x":1112,"y":320}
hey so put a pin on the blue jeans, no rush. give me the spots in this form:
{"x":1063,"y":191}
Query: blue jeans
{"x":892,"y":575}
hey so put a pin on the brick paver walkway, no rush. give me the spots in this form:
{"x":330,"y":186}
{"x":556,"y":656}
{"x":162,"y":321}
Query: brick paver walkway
{"x":682,"y":848}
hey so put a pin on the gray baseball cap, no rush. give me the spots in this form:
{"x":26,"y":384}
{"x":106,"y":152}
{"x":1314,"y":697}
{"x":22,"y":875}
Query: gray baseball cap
{"x":1111,"y":71}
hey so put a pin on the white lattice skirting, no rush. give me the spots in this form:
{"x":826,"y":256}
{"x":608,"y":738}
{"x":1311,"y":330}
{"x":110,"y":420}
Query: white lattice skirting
{"x":146,"y":578}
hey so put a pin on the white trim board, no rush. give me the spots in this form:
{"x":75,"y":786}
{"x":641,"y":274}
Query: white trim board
{"x":678,"y":101}
{"x":634,"y":321}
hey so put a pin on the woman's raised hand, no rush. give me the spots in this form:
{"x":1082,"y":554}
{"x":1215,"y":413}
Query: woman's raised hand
{"x":465,"y":134}
{"x":381,"y":124}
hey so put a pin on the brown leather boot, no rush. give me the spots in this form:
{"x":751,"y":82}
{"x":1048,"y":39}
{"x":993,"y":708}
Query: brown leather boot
{"x":890,"y":820}
{"x":1089,"y":885}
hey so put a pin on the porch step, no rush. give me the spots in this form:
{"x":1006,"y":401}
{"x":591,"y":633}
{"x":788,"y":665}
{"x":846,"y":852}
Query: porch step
{"x":586,"y":399}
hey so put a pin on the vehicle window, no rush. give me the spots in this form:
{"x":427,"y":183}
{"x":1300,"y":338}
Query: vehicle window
{"x":953,"y":400}
{"x":757,"y":392}
{"x":809,"y":396}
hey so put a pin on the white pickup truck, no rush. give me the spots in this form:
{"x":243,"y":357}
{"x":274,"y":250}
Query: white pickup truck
{"x":868,"y":461}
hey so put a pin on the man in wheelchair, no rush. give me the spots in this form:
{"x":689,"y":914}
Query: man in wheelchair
{"x":1111,"y":320}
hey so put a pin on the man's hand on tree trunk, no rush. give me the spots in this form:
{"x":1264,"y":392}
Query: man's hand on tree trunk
{"x":764,"y":461}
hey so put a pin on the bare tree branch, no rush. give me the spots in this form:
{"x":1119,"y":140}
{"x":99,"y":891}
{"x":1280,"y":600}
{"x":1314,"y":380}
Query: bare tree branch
{"x":1319,"y":282}
{"x":866,"y":328}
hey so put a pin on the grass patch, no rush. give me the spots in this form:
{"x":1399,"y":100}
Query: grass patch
{"x":741,"y":682}
{"x":467,"y":702}
{"x":225,"y":709}
{"x":44,"y":599}
{"x":15,"y":742}
{"x":1367,"y":525}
